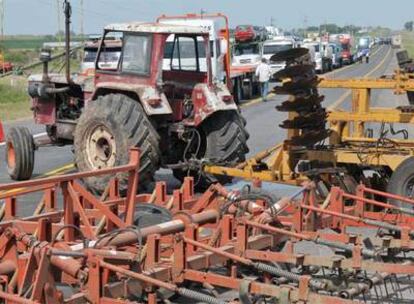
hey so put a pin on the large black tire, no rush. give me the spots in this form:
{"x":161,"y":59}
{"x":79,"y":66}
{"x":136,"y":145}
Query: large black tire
{"x":105,"y":132}
{"x":224,"y":139}
{"x":402,"y":181}
{"x":247,"y":90}
{"x":20,"y":153}
{"x":237,"y":91}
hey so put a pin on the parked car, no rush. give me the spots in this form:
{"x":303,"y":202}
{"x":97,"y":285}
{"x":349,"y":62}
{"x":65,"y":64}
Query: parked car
{"x":245,"y":33}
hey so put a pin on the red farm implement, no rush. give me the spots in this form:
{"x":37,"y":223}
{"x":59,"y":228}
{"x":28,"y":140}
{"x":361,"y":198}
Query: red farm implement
{"x":218,"y":247}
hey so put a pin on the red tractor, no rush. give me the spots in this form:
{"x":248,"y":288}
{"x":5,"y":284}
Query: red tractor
{"x":177,"y":114}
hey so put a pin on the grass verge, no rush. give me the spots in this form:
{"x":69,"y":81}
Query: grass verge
{"x":14,"y":101}
{"x":408,"y":42}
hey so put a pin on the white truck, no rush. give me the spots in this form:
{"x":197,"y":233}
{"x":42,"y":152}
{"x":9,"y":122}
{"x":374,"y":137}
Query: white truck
{"x":278,"y":44}
{"x":238,"y":72}
{"x":109,"y":58}
{"x":247,"y":53}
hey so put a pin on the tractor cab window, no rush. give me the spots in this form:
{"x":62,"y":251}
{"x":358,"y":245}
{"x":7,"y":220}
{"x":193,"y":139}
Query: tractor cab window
{"x":186,"y":54}
{"x":171,"y":52}
{"x":136,"y":57}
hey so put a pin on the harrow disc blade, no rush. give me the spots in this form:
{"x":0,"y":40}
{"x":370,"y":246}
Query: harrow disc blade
{"x":301,"y":104}
{"x":315,"y":121}
{"x":309,"y":138}
{"x":289,"y":55}
{"x":298,"y":84}
{"x":294,"y":71}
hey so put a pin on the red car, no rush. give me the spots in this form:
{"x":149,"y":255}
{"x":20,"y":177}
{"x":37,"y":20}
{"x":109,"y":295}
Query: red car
{"x":245,"y":33}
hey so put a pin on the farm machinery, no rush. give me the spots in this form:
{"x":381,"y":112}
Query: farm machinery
{"x":349,"y":147}
{"x":95,"y":237}
{"x":161,"y":97}
{"x":222,"y":246}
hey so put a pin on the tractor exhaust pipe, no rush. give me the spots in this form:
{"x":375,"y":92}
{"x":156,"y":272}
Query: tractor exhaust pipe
{"x":68,"y":14}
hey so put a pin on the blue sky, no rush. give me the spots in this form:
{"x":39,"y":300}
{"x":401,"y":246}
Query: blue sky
{"x":40,"y":16}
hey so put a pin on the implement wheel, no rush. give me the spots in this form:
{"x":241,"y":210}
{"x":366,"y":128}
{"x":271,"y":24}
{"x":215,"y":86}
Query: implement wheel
{"x":402,"y":181}
{"x":20,"y":153}
{"x":106,"y":130}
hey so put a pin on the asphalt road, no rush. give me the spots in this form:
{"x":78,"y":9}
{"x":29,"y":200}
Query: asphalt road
{"x":262,"y":124}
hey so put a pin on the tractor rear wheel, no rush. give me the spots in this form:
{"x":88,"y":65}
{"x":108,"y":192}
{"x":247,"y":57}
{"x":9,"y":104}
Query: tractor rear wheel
{"x":223,"y":140}
{"x":20,"y":153}
{"x":402,"y":181}
{"x":105,"y":132}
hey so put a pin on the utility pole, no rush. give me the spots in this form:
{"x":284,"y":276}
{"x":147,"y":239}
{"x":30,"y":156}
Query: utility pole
{"x":59,"y":36}
{"x":2,"y":19}
{"x":305,"y":25}
{"x":2,"y":22}
{"x":202,"y":12}
{"x":81,"y":20}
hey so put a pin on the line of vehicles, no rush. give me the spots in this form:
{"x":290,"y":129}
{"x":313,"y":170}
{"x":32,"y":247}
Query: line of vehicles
{"x":241,"y":53}
{"x":247,"y":46}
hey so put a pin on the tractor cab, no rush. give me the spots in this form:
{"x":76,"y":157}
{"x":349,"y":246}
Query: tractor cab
{"x":167,"y":67}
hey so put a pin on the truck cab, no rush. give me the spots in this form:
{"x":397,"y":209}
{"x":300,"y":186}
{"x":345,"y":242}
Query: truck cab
{"x":218,"y":45}
{"x":278,"y":44}
{"x":109,"y":60}
{"x":248,"y":53}
{"x":315,"y":50}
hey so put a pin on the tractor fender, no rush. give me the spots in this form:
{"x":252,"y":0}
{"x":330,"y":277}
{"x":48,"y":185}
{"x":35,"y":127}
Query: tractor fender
{"x":208,"y":100}
{"x":153,"y":102}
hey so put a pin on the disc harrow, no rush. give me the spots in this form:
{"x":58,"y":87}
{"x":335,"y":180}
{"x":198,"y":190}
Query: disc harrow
{"x":222,"y":246}
{"x":299,"y":81}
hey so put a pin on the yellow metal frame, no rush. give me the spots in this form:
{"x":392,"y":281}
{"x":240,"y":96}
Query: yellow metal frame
{"x":277,"y":164}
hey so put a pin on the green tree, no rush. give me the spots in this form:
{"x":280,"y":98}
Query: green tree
{"x":409,"y":26}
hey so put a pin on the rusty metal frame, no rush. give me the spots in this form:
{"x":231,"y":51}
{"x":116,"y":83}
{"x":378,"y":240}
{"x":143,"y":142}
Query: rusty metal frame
{"x":90,"y":243}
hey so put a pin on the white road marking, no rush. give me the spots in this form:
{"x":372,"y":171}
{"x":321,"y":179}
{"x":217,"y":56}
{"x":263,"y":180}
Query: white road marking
{"x":34,"y":136}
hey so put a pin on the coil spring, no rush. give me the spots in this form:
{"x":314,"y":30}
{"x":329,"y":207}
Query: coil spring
{"x":191,"y":294}
{"x":287,"y":274}
{"x":348,"y":248}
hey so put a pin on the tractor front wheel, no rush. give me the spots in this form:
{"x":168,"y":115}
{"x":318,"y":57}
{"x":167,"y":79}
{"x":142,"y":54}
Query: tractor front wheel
{"x":105,"y":132}
{"x":20,"y":153}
